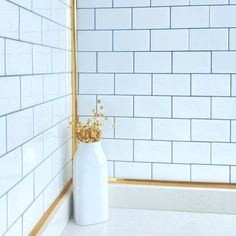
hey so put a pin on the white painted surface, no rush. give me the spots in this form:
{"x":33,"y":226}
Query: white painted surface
{"x":135,"y":222}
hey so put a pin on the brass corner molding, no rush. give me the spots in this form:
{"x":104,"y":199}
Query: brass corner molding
{"x":74,"y":73}
{"x":172,"y":183}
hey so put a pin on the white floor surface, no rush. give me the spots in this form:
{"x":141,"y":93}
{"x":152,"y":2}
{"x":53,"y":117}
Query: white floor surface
{"x":136,"y":222}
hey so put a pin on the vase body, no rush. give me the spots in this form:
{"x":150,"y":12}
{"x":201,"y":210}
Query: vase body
{"x":90,"y":179}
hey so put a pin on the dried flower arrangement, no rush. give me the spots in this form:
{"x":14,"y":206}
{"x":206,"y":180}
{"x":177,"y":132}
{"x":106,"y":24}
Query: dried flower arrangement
{"x":90,"y":132}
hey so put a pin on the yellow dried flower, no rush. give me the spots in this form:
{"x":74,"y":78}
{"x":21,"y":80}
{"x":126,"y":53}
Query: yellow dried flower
{"x":90,"y":132}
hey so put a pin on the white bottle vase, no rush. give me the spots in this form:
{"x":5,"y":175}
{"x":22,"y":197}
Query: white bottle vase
{"x":90,"y":176}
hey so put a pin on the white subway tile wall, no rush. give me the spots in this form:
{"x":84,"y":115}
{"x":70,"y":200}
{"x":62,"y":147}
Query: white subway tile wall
{"x":35,"y":100}
{"x":166,"y":72}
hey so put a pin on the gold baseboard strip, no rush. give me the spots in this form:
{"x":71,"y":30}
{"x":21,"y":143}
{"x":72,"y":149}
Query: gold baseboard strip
{"x":46,"y":215}
{"x":172,"y":183}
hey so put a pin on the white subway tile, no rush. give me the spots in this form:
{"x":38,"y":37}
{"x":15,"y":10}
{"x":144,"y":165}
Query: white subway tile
{"x":210,"y":130}
{"x":131,"y":3}
{"x":171,"y":84}
{"x":224,"y":153}
{"x":51,"y":192}
{"x":210,"y":85}
{"x":32,"y":215}
{"x":65,"y":131}
{"x":42,"y":117}
{"x":232,"y":39}
{"x":153,"y":62}
{"x":233,"y":85}
{"x":85,"y":19}
{"x":208,"y":2}
{"x":96,"y":84}
{"x":18,"y":57}
{"x":169,"y":40}
{"x":2,"y":57}
{"x":42,"y":7}
{"x":210,"y":173}
{"x":169,"y":2}
{"x":31,"y":90}
{"x":10,"y":94}
{"x":60,"y":61}
{"x":139,"y":84}
{"x":152,"y":106}
{"x":32,"y":154}
{"x":50,"y":33}
{"x":115,"y":62}
{"x":95,"y":41}
{"x":19,"y":128}
{"x":59,"y":110}
{"x":10,"y":169}
{"x":9,"y":14}
{"x":223,"y":16}
{"x":65,"y":84}
{"x":133,"y":128}
{"x":223,"y":62}
{"x":51,"y":140}
{"x":171,"y":129}
{"x":117,"y":105}
{"x":59,"y":160}
{"x":30,"y":26}
{"x":3,"y":135}
{"x":3,"y":214}
{"x":19,"y":198}
{"x":191,"y":152}
{"x":43,"y":175}
{"x":190,"y":17}
{"x":86,"y":62}
{"x":59,"y":12}
{"x":51,"y":87}
{"x":152,"y":151}
{"x":65,"y":175}
{"x":110,"y":165}
{"x":16,"y":229}
{"x":173,"y":172}
{"x":86,"y":103}
{"x":42,"y":59}
{"x":94,"y":3}
{"x":223,"y":108}
{"x":151,"y":18}
{"x":191,"y":62}
{"x":191,"y":107}
{"x":132,"y":170}
{"x":209,"y":39}
{"x":118,"y":150}
{"x":113,"y":18}
{"x":64,"y":38}
{"x":135,"y":40}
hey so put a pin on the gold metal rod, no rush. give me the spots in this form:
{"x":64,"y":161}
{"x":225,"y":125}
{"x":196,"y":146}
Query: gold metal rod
{"x":172,"y":183}
{"x":74,"y":74}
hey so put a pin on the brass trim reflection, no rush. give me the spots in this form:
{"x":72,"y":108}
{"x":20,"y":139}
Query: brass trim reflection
{"x":172,"y":183}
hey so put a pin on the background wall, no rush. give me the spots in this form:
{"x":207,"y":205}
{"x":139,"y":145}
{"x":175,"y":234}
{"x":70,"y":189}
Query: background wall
{"x":165,"y":72}
{"x":35,"y":102}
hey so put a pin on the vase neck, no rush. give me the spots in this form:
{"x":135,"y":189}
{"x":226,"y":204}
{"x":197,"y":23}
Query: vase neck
{"x":90,"y":145}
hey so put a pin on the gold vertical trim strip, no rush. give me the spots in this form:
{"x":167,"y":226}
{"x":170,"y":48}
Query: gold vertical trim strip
{"x":74,"y":73}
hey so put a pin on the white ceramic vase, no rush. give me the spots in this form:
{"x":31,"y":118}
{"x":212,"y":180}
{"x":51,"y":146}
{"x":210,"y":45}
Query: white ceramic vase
{"x":90,"y":176}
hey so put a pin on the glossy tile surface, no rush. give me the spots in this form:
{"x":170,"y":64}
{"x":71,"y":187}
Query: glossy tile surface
{"x":133,"y":222}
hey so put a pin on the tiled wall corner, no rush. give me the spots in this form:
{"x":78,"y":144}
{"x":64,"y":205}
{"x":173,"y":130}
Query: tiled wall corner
{"x":165,"y":70}
{"x":35,"y":99}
